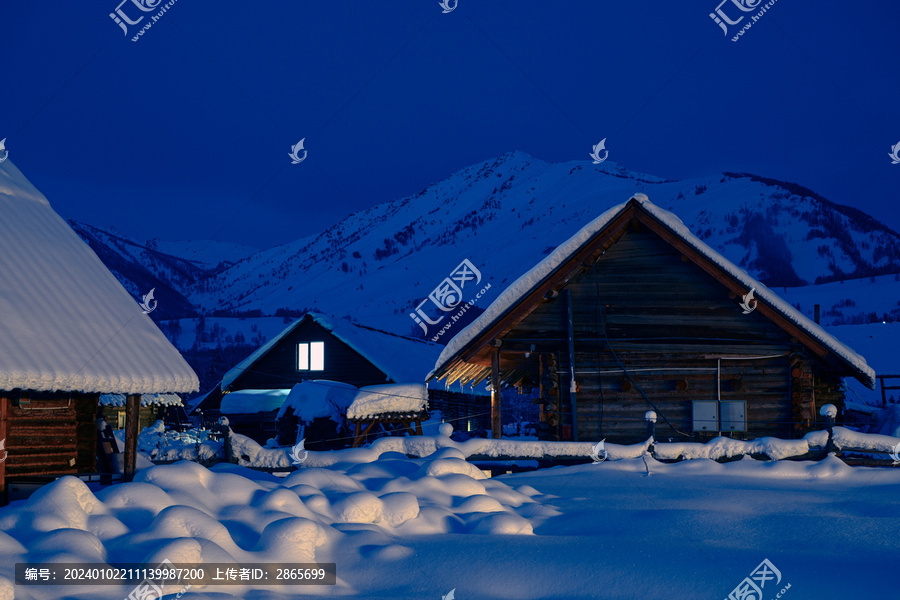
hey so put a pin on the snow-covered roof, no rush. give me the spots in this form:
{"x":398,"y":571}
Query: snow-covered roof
{"x":66,"y":323}
{"x":401,"y":358}
{"x":252,"y":401}
{"x":146,"y":399}
{"x":530,"y":280}
{"x":375,"y":400}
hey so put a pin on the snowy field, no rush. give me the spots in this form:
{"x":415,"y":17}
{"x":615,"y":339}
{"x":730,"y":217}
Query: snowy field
{"x":400,"y":528}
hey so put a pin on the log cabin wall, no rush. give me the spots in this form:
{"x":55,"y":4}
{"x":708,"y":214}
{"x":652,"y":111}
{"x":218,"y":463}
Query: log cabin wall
{"x":667,"y":322}
{"x":53,"y":434}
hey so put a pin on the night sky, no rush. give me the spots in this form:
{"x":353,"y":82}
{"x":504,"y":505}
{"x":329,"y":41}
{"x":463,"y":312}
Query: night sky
{"x":185,"y":134}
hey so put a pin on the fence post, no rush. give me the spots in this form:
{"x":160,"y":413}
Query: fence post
{"x":226,"y":438}
{"x":651,"y":428}
{"x":829,"y":411}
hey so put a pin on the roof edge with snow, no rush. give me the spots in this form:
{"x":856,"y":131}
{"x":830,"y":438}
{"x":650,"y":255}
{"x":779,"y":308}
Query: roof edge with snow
{"x":522,"y":287}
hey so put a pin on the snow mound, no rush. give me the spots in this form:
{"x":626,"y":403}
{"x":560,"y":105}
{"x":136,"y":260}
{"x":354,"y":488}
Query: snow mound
{"x":503,"y":525}
{"x":188,"y":513}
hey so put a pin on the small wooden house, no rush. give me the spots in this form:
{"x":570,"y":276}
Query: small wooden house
{"x":634,"y":313}
{"x":319,"y":347}
{"x":69,"y":332}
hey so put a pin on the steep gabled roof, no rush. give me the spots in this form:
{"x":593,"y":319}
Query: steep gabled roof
{"x":524,"y":294}
{"x":403,"y":359}
{"x":66,"y":323}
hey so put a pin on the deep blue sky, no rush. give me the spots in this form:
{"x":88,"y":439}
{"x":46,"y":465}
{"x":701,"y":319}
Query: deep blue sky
{"x":186,"y":133}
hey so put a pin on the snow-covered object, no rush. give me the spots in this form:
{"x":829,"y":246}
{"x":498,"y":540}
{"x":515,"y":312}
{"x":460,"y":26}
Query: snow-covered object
{"x":252,"y":401}
{"x":66,"y":323}
{"x":157,"y":443}
{"x":400,"y":358}
{"x":527,"y":282}
{"x":828,"y":410}
{"x":319,"y":398}
{"x":146,"y":399}
{"x":375,"y":400}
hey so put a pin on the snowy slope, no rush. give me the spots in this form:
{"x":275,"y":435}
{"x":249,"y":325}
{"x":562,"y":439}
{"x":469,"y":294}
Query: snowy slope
{"x":505,"y":215}
{"x":205,"y":254}
{"x":140,"y":269}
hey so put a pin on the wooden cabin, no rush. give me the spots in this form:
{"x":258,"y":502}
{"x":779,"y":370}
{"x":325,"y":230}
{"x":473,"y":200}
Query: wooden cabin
{"x":69,"y":332}
{"x":319,"y":347}
{"x":634,"y":313}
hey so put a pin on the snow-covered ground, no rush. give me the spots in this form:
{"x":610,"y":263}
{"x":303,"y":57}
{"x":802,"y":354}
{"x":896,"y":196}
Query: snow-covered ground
{"x":400,"y":528}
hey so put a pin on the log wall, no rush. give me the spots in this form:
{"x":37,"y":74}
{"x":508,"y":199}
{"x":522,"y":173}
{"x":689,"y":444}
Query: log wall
{"x":644,"y":307}
{"x":50,"y":436}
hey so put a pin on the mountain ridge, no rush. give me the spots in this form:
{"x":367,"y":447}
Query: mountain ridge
{"x":504,"y":215}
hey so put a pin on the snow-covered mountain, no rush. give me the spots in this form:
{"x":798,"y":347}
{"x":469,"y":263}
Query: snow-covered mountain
{"x":505,"y":215}
{"x":140,"y":269}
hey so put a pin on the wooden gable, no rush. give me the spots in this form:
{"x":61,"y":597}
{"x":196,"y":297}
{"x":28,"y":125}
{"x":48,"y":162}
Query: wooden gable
{"x":719,"y":290}
{"x":277,"y":368}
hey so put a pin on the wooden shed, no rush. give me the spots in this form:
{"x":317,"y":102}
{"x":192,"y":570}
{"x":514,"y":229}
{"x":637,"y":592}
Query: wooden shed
{"x":634,"y":313}
{"x":69,"y":332}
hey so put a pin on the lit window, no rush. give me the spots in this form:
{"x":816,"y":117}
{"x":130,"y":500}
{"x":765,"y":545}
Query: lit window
{"x":311,"y":356}
{"x":317,"y":360}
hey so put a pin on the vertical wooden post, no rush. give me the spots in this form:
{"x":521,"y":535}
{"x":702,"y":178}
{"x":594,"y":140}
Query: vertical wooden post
{"x":4,"y":428}
{"x":132,"y":422}
{"x":496,"y":427}
{"x":816,"y":313}
{"x":572,"y":395}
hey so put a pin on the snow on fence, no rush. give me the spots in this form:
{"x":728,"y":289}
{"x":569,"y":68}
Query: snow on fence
{"x":249,"y":453}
